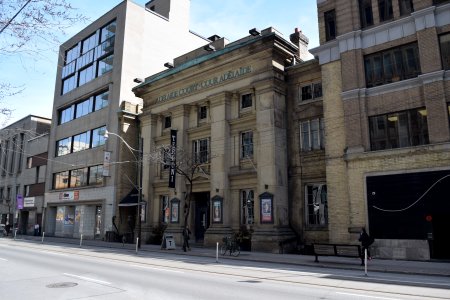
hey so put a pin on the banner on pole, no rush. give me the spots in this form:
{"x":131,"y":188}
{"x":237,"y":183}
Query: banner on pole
{"x":173,"y":155}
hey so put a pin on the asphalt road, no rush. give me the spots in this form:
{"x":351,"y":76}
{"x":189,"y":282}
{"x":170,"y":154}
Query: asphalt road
{"x":34,"y":271}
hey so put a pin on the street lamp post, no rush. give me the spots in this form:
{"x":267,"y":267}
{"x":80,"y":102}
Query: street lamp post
{"x":139,"y":159}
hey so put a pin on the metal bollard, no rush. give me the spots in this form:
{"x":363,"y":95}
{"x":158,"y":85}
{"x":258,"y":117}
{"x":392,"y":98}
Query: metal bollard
{"x":81,"y":240}
{"x":365,"y":262}
{"x":43,"y":234}
{"x":217,"y":252}
{"x":137,"y":244}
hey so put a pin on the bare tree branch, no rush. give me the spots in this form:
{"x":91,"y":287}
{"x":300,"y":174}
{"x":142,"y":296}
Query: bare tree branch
{"x":30,"y":28}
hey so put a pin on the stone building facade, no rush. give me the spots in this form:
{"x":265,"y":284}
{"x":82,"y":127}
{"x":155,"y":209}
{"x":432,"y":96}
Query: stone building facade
{"x":226,"y":104}
{"x":386,"y":106}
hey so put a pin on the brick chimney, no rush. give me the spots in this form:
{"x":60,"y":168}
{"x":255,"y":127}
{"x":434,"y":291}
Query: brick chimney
{"x":299,"y":39}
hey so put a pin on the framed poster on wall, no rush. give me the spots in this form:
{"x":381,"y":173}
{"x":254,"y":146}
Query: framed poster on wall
{"x":217,"y":209}
{"x":266,"y":208}
{"x":175,"y":210}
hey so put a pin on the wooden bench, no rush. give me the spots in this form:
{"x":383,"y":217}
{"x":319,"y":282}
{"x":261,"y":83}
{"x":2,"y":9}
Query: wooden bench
{"x":336,"y":250}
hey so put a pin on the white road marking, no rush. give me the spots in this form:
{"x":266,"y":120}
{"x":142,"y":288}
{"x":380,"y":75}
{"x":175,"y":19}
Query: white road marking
{"x":360,"y":295}
{"x":4,"y":259}
{"x":87,"y":278}
{"x":157,"y":269}
{"x":53,"y":253}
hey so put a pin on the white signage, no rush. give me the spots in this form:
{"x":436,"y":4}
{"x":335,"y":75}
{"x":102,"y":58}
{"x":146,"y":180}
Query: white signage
{"x":29,"y":202}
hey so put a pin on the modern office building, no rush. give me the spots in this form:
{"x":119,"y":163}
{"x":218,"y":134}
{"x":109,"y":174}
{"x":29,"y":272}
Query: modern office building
{"x":23,"y":161}
{"x":224,"y":105}
{"x":88,"y":175}
{"x":386,"y":94}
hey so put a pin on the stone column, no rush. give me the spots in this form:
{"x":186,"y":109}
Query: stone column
{"x":180,"y":122}
{"x":220,"y":109}
{"x":271,"y":165}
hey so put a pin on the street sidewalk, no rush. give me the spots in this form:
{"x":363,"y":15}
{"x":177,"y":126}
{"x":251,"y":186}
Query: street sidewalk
{"x":437,"y":268}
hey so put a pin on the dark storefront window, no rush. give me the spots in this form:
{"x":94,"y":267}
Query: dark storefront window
{"x":399,"y":129}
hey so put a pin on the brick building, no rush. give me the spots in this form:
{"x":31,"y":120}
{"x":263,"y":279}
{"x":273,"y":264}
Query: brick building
{"x":386,"y":109}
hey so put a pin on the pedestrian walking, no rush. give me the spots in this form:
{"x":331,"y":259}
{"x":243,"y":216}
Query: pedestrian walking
{"x":36,"y":229}
{"x":7,"y":228}
{"x":186,"y":237}
{"x":366,"y":241}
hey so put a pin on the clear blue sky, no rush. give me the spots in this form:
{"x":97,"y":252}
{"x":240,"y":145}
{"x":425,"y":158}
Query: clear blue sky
{"x":231,"y":19}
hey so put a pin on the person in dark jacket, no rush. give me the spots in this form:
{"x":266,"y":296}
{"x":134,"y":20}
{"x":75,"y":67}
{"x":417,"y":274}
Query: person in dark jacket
{"x":7,"y":229}
{"x":366,"y":241}
{"x":186,"y":237}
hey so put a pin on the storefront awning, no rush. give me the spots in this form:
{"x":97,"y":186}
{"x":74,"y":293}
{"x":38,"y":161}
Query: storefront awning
{"x":131,"y":199}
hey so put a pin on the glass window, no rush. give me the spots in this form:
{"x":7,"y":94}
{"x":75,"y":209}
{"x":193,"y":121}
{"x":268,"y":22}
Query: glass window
{"x":392,"y":65}
{"x":105,"y":65}
{"x":21,"y":151}
{"x":98,"y":136}
{"x":365,"y":13}
{"x":312,"y":135}
{"x":81,"y":141}
{"x":101,"y":100}
{"x":89,"y":43}
{"x":330,"y":25}
{"x":61,"y":180}
{"x":385,"y":10}
{"x":68,"y":69}
{"x":167,"y":122}
{"x":166,"y":159}
{"x":248,"y":205}
{"x":399,"y":129}
{"x":86,"y":75}
{"x":63,"y":146}
{"x":72,"y":54}
{"x":406,"y":7}
{"x":69,"y":84}
{"x":316,"y":204}
{"x":311,"y":91}
{"x":12,"y":164}
{"x":203,"y":112}
{"x":85,"y":59}
{"x":78,"y":177}
{"x":306,"y":92}
{"x":317,"y":90}
{"x":96,"y":175}
{"x":66,"y":115}
{"x":108,"y":31}
{"x":247,"y":144}
{"x":201,"y":151}
{"x":246,"y":101}
{"x":444,"y":41}
{"x":83,"y":108}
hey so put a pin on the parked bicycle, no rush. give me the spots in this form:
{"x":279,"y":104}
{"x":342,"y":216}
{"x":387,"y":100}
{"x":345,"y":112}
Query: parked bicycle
{"x":231,"y":245}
